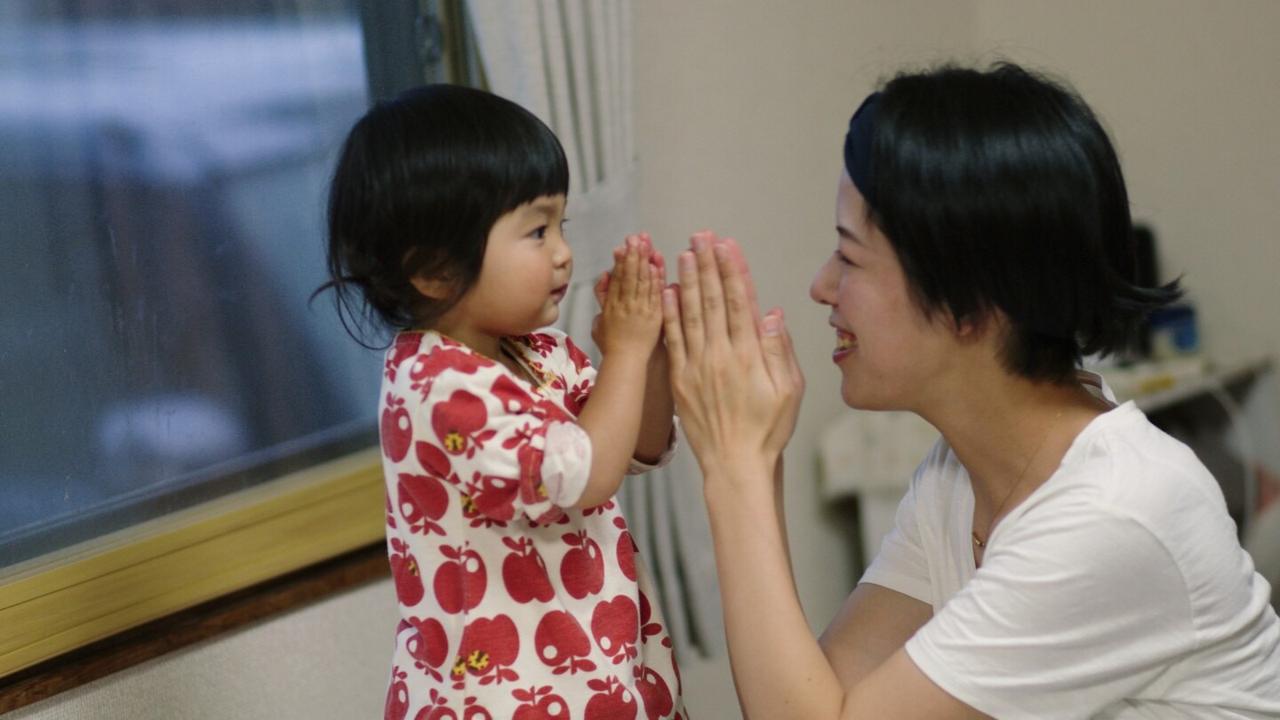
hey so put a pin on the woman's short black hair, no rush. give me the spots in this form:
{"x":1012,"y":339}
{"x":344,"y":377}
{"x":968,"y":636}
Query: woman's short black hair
{"x":420,"y":182}
{"x":999,"y":190}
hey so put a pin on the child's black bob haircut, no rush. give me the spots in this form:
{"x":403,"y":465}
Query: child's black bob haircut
{"x":999,"y":190}
{"x":419,"y":184}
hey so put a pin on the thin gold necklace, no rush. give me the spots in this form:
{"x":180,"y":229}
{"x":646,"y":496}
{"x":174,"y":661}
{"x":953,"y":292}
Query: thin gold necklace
{"x":978,"y":541}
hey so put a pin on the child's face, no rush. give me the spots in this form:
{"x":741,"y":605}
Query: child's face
{"x":524,"y":276}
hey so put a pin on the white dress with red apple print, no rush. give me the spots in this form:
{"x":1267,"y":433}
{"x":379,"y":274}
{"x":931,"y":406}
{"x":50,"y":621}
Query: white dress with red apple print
{"x":513,"y":604}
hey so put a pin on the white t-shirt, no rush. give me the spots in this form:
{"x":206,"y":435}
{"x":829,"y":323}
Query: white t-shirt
{"x":1118,"y":589}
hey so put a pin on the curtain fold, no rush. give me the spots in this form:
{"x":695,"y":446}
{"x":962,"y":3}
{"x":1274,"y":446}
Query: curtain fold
{"x":569,"y":62}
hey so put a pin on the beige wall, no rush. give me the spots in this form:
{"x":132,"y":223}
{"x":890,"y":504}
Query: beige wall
{"x":1189,"y":90}
{"x":741,"y":107}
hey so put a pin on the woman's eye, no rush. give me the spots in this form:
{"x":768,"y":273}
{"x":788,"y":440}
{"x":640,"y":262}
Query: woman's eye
{"x":844,"y":260}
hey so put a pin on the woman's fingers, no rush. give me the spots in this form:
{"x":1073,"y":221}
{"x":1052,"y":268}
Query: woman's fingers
{"x":709,"y":288}
{"x":776,"y":349}
{"x":740,"y":261}
{"x":741,"y":319}
{"x":689,"y":308}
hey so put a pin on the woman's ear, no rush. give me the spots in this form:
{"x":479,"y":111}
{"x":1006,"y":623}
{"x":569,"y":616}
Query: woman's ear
{"x":432,"y":288}
{"x":976,"y":325}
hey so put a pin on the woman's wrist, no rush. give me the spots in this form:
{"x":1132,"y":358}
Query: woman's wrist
{"x":739,"y":473}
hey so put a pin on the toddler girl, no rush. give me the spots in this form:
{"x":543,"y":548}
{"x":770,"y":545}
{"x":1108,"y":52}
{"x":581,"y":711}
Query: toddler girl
{"x":519,"y":590}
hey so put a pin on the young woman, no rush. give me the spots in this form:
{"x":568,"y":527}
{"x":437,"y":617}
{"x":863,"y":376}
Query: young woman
{"x":1056,"y":555}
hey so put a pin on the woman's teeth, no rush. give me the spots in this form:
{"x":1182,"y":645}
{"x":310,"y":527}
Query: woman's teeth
{"x":844,"y":341}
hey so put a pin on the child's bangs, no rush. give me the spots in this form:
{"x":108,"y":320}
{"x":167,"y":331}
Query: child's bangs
{"x":532,"y":166}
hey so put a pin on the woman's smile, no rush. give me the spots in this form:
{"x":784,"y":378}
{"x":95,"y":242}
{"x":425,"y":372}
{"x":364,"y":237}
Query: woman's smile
{"x":846,"y":342}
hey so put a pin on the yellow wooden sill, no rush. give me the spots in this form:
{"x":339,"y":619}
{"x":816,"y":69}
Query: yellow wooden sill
{"x":68,"y":599}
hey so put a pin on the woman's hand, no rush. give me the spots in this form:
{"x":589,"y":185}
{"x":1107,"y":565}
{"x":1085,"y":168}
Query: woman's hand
{"x":734,"y":375}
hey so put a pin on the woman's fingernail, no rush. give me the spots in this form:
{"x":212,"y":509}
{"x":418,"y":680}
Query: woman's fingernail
{"x":772,"y":325}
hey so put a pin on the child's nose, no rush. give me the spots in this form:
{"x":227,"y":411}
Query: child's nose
{"x":562,"y":254}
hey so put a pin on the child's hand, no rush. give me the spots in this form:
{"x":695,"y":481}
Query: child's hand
{"x":631,"y":299}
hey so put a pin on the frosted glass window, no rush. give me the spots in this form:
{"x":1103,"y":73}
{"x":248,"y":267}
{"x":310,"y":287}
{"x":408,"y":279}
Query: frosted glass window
{"x":163,"y":168}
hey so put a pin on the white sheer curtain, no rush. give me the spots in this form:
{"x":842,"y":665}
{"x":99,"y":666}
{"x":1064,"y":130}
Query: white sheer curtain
{"x":569,"y":62}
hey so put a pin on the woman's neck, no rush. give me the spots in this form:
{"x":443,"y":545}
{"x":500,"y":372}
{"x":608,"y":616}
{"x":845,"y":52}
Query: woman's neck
{"x":1011,"y":433}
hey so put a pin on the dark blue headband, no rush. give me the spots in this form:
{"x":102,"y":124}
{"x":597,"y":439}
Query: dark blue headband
{"x":857,"y":145}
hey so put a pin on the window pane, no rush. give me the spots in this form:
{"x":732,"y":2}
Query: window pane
{"x":163,"y":168}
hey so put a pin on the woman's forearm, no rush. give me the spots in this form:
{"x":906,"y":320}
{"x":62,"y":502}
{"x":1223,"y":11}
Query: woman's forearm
{"x":778,"y":667}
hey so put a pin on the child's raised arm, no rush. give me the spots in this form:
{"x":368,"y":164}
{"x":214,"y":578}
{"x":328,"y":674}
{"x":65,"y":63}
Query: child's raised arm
{"x":627,"y":335}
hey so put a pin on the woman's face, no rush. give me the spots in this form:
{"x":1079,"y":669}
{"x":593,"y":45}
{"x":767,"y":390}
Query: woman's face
{"x":886,"y":349}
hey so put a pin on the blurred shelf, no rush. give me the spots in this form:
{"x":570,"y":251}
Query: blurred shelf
{"x":1160,"y":385}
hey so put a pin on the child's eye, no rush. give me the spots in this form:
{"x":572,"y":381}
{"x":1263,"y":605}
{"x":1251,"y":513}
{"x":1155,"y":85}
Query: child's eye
{"x":539,"y":233}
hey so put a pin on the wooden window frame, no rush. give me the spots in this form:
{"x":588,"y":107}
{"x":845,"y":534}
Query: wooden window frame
{"x":68,"y":599}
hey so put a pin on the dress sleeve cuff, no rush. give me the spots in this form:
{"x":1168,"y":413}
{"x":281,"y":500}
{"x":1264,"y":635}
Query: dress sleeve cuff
{"x":566,"y":463}
{"x":638,"y":468}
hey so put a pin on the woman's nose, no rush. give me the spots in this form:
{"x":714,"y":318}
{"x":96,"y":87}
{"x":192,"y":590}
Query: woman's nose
{"x":820,"y":288}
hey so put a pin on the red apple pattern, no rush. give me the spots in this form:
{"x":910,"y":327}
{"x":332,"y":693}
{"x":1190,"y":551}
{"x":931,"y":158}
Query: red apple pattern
{"x":582,"y":568}
{"x":459,"y":424}
{"x":428,"y":645}
{"x":406,"y":345}
{"x":423,"y":501}
{"x":461,"y":580}
{"x":540,"y":704}
{"x":489,"y":647}
{"x":612,"y":701}
{"x":626,"y":550}
{"x":396,"y":429}
{"x":562,"y":644}
{"x":511,"y":606}
{"x":524,"y":573}
{"x":615,"y":625}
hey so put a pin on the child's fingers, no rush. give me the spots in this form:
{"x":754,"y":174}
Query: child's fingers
{"x":601,"y":288}
{"x":672,"y":329}
{"x":631,"y":269}
{"x":659,"y":263}
{"x":617,"y":280}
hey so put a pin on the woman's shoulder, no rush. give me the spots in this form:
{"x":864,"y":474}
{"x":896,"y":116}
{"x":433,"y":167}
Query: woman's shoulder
{"x":1129,"y":463}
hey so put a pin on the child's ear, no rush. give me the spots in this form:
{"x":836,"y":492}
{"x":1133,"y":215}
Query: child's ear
{"x":432,"y":288}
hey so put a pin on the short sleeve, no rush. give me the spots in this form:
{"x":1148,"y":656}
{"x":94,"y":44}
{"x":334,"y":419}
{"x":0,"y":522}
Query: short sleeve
{"x":901,"y":564}
{"x":1071,"y":611}
{"x":508,"y":451}
{"x":573,"y":364}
